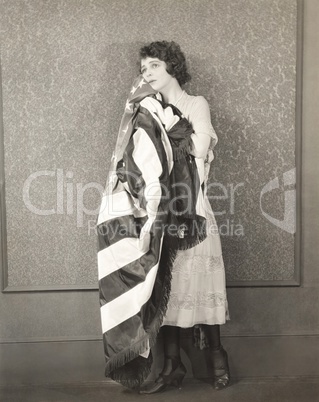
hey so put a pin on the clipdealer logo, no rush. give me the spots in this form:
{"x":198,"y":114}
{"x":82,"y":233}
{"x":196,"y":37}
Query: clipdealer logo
{"x":70,"y":200}
{"x":63,"y":189}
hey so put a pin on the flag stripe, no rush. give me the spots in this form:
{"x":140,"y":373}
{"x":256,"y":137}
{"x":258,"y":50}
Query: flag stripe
{"x":118,"y":255}
{"x":130,"y":275}
{"x":129,"y":303}
{"x":132,"y":327}
{"x":118,"y":204}
{"x":117,"y":229}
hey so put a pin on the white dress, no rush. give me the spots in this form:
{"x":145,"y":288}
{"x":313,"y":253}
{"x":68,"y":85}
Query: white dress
{"x":198,"y":293}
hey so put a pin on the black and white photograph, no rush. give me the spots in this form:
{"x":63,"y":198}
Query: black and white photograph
{"x":159,"y":195}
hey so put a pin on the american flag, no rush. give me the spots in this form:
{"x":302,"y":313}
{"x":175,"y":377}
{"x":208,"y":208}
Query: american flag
{"x":134,"y":258}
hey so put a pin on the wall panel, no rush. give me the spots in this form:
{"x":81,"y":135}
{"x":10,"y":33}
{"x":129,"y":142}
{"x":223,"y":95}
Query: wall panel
{"x":66,"y":70}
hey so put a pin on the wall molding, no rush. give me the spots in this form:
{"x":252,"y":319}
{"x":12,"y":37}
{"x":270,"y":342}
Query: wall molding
{"x":186,"y":334}
{"x":254,"y":358}
{"x":42,"y":288}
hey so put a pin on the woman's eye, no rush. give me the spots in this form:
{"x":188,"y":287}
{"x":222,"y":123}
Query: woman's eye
{"x":153,"y":66}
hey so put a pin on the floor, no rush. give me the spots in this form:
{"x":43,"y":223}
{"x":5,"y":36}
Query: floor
{"x":267,"y":390}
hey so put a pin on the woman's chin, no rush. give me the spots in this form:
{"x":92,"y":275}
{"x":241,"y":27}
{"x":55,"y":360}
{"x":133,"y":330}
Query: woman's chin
{"x":153,"y":85}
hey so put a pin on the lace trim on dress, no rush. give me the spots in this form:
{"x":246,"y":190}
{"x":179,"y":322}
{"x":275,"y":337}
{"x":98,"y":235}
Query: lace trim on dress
{"x":190,"y":301}
{"x":186,"y":267}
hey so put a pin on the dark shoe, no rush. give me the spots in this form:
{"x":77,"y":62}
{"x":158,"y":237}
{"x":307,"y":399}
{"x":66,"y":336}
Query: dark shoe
{"x":175,"y":377}
{"x":221,"y":377}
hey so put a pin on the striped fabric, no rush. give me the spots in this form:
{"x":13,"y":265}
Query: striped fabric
{"x":134,"y":256}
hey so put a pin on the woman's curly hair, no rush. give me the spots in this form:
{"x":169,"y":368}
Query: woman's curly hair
{"x":171,"y":53}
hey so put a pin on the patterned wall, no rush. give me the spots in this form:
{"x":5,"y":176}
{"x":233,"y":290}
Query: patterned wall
{"x":66,"y":68}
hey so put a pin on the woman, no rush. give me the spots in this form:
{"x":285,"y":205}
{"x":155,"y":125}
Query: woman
{"x":198,"y":292}
{"x":151,"y":275}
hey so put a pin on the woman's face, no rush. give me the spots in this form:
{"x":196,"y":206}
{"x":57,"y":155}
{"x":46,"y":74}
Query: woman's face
{"x":154,"y":72}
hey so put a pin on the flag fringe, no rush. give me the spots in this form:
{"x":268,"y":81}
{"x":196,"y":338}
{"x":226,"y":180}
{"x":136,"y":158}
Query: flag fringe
{"x":128,"y":367}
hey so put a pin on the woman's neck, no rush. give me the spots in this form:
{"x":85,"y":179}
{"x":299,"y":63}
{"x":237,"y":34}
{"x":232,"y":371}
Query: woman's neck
{"x":172,"y":94}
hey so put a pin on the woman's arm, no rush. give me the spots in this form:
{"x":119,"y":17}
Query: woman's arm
{"x":203,"y":130}
{"x":201,"y":144}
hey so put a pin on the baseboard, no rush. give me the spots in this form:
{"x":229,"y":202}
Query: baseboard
{"x":260,"y":358}
{"x":234,"y":380}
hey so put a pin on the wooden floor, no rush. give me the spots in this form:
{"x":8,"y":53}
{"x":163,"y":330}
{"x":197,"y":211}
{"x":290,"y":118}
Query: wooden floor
{"x":267,"y":390}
